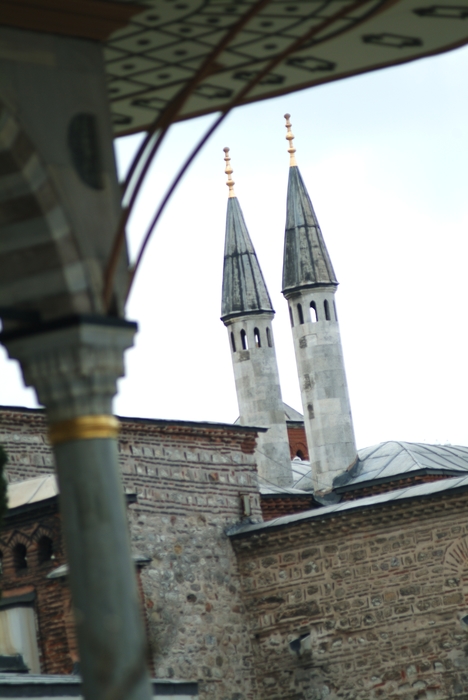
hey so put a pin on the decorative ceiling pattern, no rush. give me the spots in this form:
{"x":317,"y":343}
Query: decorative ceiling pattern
{"x":284,"y":45}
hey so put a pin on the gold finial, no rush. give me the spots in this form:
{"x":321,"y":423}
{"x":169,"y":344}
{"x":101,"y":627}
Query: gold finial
{"x":230,"y":182}
{"x":290,"y":138}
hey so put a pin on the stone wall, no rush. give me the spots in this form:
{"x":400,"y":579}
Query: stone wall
{"x":192,"y":482}
{"x":367,"y":604}
{"x":23,"y":434}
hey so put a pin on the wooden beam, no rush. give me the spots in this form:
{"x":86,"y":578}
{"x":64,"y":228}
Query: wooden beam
{"x":88,"y":19}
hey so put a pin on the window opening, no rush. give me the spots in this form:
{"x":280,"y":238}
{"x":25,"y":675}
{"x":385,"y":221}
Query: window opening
{"x":18,"y":635}
{"x":233,"y":342}
{"x":258,"y":342}
{"x":313,"y":312}
{"x":326,"y":308}
{"x":20,"y":556}
{"x":291,"y":317}
{"x":334,"y":309}
{"x":300,"y":314}
{"x":269,"y":341}
{"x":245,"y":345}
{"x":45,"y":549}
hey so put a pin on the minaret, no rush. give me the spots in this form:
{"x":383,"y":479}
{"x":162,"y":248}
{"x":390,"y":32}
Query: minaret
{"x":309,"y":285}
{"x":247,"y":314}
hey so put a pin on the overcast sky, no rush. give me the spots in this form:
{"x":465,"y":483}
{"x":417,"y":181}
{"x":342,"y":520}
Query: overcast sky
{"x":384,"y":157}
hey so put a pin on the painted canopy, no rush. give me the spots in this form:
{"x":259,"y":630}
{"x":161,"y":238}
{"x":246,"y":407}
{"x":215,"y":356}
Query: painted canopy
{"x":227,"y":52}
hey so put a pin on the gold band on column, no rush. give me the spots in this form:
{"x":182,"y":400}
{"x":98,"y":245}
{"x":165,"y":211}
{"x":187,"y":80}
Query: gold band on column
{"x":84,"y":428}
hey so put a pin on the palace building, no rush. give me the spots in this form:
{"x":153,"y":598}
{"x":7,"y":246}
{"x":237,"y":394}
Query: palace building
{"x":275,"y":560}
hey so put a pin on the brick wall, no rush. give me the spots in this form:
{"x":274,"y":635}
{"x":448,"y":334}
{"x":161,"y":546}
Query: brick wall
{"x":297,"y":441}
{"x":52,"y":606}
{"x":377,"y":597}
{"x":374,"y":489}
{"x":189,"y":479}
{"x":274,"y":506}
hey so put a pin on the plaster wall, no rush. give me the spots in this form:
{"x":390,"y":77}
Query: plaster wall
{"x":324,"y":391}
{"x":259,"y":394}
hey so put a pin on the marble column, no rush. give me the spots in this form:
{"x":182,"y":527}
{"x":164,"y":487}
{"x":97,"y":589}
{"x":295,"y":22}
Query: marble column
{"x":73,"y":364}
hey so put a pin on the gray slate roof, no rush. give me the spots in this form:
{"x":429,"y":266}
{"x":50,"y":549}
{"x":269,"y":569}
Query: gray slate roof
{"x":306,"y":261}
{"x":432,"y":488}
{"x":391,"y":460}
{"x":292,"y":415}
{"x":244,"y":289}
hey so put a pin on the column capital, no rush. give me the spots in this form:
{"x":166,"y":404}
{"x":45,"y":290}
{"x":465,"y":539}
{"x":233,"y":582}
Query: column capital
{"x":73,"y":363}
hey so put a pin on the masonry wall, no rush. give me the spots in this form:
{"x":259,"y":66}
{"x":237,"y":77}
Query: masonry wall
{"x":189,"y":483}
{"x":52,"y":604}
{"x":366,"y":605}
{"x":192,"y":482}
{"x":297,"y":440}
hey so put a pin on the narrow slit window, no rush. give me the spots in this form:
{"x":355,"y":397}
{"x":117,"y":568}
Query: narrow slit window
{"x":313,"y":312}
{"x":233,"y":342}
{"x":20,"y":557}
{"x":326,"y":309}
{"x":269,"y":341}
{"x":45,"y":549}
{"x":300,"y":314}
{"x":334,"y":309}
{"x":291,"y":317}
{"x":258,"y":342}
{"x":245,"y":345}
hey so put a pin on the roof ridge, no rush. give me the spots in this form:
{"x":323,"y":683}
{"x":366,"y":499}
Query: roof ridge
{"x":409,"y":452}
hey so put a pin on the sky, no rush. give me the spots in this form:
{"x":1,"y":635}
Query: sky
{"x":384,"y":157}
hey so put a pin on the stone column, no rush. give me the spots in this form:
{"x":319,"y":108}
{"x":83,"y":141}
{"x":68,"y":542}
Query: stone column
{"x":73,"y":364}
{"x":259,"y":393}
{"x":324,"y":389}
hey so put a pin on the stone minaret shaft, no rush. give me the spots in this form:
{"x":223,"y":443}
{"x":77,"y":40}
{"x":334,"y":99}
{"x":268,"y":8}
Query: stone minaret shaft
{"x":247,"y":314}
{"x":309,"y":285}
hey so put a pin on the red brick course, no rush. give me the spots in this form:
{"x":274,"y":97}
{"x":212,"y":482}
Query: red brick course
{"x":276,"y":506}
{"x":297,"y":441}
{"x":52,"y":605}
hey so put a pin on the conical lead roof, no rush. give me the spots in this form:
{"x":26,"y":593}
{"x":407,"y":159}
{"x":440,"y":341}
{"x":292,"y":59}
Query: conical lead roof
{"x":244,"y":289}
{"x":306,"y":261}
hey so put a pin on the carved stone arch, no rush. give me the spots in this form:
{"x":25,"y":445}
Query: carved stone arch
{"x":41,"y":273}
{"x":456,"y":564}
{"x":456,"y":556}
